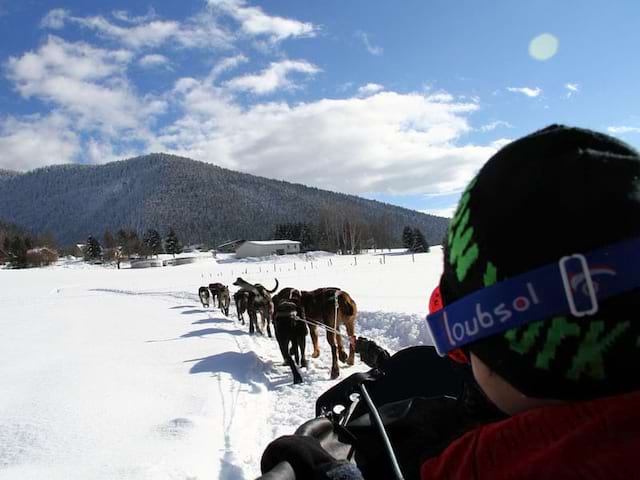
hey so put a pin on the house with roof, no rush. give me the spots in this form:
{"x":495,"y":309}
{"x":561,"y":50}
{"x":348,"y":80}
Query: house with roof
{"x":258,"y":248}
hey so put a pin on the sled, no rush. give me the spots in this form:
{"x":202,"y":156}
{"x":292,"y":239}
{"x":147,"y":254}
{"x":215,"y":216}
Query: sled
{"x":424,"y":401}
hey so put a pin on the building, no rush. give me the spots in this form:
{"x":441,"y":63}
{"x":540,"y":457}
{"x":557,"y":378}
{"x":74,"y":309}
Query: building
{"x":253,"y":248}
{"x":229,"y":247}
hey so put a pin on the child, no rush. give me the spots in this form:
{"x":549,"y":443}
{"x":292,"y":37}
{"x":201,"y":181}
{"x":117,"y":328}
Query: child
{"x":541,"y":292}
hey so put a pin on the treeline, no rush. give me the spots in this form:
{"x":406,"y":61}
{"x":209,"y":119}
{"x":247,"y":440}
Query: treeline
{"x":127,"y":243}
{"x":341,"y":233}
{"x":22,"y":251}
{"x":338,"y":231}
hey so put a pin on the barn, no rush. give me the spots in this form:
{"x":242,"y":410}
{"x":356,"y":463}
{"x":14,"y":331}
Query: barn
{"x":255,"y":248}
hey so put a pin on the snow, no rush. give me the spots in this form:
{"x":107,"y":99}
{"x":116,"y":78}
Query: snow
{"x":110,"y":373}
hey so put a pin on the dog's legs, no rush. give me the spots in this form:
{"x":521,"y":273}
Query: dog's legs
{"x":253,"y":322}
{"x":302,"y":345}
{"x":335,"y":370}
{"x":351,"y":332}
{"x":342,"y":355}
{"x":265,"y":310}
{"x":313,"y":330}
{"x":294,"y":345}
{"x":283,"y":343}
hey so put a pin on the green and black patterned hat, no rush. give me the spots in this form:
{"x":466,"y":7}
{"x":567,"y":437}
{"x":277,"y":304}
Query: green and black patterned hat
{"x":556,"y":192}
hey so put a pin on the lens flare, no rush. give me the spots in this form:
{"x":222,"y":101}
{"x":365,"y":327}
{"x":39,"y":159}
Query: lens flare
{"x":543,"y":47}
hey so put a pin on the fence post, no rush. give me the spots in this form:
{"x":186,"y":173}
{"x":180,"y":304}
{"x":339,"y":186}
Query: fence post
{"x":355,"y":261}
{"x":413,"y":257}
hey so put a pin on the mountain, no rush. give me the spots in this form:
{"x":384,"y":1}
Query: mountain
{"x":4,"y":173}
{"x":202,"y":202}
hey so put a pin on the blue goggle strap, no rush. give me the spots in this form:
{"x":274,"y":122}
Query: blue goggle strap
{"x":574,"y":285}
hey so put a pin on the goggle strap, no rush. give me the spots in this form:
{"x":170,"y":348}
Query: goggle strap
{"x":575,"y":284}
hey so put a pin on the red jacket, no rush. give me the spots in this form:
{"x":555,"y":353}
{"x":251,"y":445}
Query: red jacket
{"x":599,"y":439}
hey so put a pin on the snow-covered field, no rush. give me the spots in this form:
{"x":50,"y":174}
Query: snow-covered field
{"x":121,"y":374}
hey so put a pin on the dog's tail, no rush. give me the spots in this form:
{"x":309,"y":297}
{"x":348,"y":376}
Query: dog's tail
{"x":274,"y":288}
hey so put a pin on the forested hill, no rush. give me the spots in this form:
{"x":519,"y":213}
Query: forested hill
{"x":7,"y":173}
{"x":202,"y":202}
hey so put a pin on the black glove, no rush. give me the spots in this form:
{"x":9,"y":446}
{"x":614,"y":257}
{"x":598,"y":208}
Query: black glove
{"x":370,"y":353}
{"x":307,"y":458}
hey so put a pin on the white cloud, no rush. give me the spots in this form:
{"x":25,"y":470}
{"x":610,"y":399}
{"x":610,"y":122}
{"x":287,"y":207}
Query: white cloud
{"x":489,"y":127}
{"x":85,"y":82}
{"x":153,"y":60}
{"x":254,"y":22}
{"x":501,"y":142}
{"x":621,"y":130}
{"x":55,"y":19}
{"x":273,"y":78}
{"x":529,"y":92}
{"x":372,"y":49}
{"x":227,"y":64}
{"x":388,"y":142}
{"x":35,"y":141}
{"x":199,"y":31}
{"x":124,"y":16}
{"x":572,"y":88}
{"x":370,"y":89}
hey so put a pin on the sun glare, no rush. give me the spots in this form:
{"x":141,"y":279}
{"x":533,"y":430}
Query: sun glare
{"x":543,"y":47}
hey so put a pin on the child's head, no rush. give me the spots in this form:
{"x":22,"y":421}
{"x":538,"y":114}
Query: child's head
{"x":555,"y":193}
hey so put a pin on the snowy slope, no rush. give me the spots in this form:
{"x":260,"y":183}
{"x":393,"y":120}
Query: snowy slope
{"x":122,"y":374}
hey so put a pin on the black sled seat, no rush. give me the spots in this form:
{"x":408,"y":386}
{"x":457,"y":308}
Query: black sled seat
{"x":425,"y":401}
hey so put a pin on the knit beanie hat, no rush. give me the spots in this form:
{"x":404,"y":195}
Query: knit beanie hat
{"x":556,"y":192}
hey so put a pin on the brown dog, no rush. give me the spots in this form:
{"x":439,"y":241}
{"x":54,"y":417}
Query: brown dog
{"x":331,"y":307}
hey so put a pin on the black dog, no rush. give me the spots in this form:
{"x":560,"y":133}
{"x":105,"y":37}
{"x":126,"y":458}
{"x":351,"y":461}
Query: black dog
{"x":215,"y":289}
{"x":241,"y":299}
{"x":203,"y":293}
{"x":290,"y":329}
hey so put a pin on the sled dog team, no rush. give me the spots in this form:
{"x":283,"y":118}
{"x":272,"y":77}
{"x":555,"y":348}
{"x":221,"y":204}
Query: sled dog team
{"x":293,"y":312}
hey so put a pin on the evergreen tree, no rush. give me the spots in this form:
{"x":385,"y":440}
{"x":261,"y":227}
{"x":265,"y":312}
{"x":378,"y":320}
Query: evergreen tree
{"x":419,"y":242}
{"x":152,"y":242}
{"x":129,"y":242}
{"x":408,"y":238}
{"x":109,"y":241}
{"x":16,"y":249}
{"x":279,"y":232}
{"x":93,"y":250}
{"x":307,"y":240}
{"x":172,"y":244}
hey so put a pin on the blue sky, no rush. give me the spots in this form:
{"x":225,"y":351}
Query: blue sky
{"x":396,"y":101}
